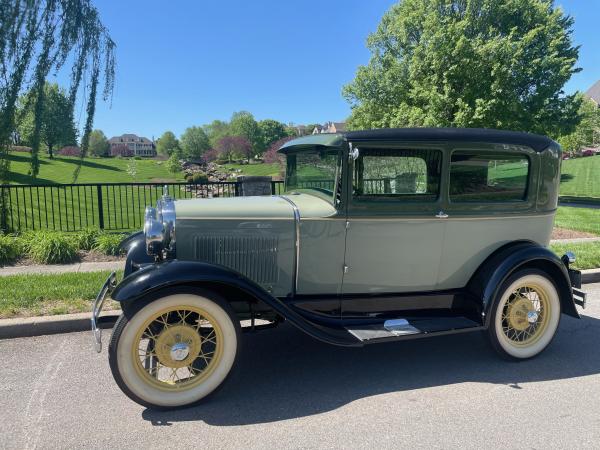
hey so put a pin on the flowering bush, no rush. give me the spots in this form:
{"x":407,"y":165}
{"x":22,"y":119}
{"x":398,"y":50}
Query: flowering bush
{"x":70,"y":150}
{"x":271,"y":156}
{"x":121,"y":150}
{"x":210,"y":156}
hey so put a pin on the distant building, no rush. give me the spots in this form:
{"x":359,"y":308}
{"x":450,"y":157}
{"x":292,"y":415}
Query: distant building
{"x":330,"y":127}
{"x":593,"y":93}
{"x":140,"y":146}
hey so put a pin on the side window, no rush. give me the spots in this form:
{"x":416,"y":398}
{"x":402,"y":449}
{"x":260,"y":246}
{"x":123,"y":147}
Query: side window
{"x":481,"y":177}
{"x":407,"y":175}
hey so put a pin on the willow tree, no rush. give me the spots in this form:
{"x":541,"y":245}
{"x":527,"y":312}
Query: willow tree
{"x":39,"y":37}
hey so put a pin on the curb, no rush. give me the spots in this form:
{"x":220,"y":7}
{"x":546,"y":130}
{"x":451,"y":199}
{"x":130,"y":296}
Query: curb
{"x":68,"y":323}
{"x":38,"y":326}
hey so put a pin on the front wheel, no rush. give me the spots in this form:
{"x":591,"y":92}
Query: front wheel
{"x":525,"y":315}
{"x":174,"y":351}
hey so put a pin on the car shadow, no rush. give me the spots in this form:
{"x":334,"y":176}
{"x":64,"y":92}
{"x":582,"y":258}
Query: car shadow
{"x":284,"y":374}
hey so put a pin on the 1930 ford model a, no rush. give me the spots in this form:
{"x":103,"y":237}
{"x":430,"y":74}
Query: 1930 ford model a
{"x":382,"y":235}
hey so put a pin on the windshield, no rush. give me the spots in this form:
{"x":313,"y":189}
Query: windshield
{"x":314,"y":170}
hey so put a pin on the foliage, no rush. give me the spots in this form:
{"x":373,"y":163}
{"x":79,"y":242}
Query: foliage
{"x":230,"y":147}
{"x":167,"y":144}
{"x":132,"y":168}
{"x":216,"y":130}
{"x":173,"y":164}
{"x":99,"y":145}
{"x":55,"y":120}
{"x":20,"y":148}
{"x":197,"y":178}
{"x":37,"y":37}
{"x":70,"y":151}
{"x":272,"y":131}
{"x":210,"y":156}
{"x":47,"y":294}
{"x":52,"y":248}
{"x":121,"y":150}
{"x":86,"y":239}
{"x":242,"y":124}
{"x":587,"y":131}
{"x":271,"y":156}
{"x":468,"y":63}
{"x":109,"y":243}
{"x":9,"y":249}
{"x":194,"y":142}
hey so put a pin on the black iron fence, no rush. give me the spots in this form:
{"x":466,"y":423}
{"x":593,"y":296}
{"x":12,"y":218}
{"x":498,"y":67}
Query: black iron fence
{"x":108,"y":206}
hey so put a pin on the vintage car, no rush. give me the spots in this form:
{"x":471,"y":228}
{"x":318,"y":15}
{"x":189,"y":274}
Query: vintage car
{"x":381,"y":236}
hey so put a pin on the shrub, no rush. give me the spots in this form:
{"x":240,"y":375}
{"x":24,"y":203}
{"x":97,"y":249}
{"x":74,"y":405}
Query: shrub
{"x":70,"y":151}
{"x":121,"y":150}
{"x":197,"y":177}
{"x":49,"y":247}
{"x":9,"y":249}
{"x":86,"y":239}
{"x":108,"y":243}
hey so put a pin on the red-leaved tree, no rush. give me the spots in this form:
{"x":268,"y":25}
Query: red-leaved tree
{"x":121,"y":150}
{"x":210,"y":156}
{"x":70,"y":150}
{"x":271,"y":156}
{"x":231,"y":146}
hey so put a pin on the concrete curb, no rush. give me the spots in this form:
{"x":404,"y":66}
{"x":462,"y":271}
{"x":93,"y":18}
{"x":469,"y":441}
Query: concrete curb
{"x":38,"y":326}
{"x":62,"y":268}
{"x":590,"y":276}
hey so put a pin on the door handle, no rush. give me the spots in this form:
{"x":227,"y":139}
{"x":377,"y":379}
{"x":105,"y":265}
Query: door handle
{"x":441,"y":215}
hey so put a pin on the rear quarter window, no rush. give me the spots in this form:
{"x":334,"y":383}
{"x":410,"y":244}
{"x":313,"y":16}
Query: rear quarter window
{"x":484,"y":178}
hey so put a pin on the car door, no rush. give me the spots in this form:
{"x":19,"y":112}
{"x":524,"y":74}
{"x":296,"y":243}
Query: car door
{"x":395,"y":226}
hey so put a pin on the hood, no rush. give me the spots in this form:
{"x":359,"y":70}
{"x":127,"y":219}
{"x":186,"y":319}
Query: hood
{"x":264,"y":207}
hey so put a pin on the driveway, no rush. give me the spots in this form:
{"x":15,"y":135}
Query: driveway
{"x":291,"y":391}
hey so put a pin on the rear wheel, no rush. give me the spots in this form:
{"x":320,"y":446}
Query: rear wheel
{"x":525,"y":315}
{"x":174,"y":351}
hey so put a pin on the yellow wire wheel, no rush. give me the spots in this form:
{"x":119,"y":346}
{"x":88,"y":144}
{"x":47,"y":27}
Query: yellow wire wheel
{"x":527,"y":315}
{"x":174,"y":351}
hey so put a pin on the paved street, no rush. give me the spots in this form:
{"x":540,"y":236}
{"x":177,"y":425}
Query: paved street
{"x":293,"y":392}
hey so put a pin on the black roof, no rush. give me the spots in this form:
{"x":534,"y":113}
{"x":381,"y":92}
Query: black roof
{"x":535,"y":141}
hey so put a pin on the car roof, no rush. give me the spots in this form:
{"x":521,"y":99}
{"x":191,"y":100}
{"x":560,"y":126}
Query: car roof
{"x":534,"y":141}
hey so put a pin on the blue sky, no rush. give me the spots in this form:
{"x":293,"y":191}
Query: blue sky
{"x":187,"y":62}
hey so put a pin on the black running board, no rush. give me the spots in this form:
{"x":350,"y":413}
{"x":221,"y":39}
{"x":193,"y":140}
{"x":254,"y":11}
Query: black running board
{"x":397,"y":329}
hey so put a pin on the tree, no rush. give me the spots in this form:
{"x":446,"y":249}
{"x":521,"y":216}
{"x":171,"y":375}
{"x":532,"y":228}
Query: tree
{"x":167,"y":144}
{"x":271,"y":131}
{"x":243,"y":124}
{"x":587,"y":132}
{"x":99,"y":145}
{"x":194,"y":142}
{"x":55,"y":119}
{"x":468,"y":63}
{"x":230,"y":147}
{"x":272,"y":155}
{"x":37,"y":37}
{"x":173,"y":164}
{"x":216,"y":130}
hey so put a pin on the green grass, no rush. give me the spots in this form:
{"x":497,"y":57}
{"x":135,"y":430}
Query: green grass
{"x":259,"y":170}
{"x":580,"y":177}
{"x":50,"y":294}
{"x":587,"y":253}
{"x":580,"y":219}
{"x":93,"y":170}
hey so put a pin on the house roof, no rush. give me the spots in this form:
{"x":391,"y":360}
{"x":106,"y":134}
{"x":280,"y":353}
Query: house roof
{"x":129,"y":137}
{"x":534,"y":141}
{"x":594,"y":92}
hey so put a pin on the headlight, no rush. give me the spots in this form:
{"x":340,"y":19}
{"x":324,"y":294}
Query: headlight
{"x":159,"y":226}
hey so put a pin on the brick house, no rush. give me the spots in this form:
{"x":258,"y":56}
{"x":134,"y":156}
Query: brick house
{"x":141,"y":146}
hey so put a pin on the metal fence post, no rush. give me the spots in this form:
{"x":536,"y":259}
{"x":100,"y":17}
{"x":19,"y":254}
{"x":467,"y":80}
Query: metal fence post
{"x":100,"y":208}
{"x":3,"y":210}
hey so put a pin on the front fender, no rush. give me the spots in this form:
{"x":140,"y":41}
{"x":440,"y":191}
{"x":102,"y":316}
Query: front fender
{"x":488,"y":280}
{"x":135,"y":246}
{"x":136,"y":289}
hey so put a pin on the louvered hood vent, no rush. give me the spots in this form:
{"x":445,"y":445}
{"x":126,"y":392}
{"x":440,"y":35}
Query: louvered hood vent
{"x":252,"y":256}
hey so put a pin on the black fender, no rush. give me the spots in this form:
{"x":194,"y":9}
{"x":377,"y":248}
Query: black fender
{"x":135,"y":247}
{"x":138,"y":288}
{"x":486,"y":282}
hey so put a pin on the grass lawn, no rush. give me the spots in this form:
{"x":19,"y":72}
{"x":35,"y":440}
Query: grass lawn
{"x":262,"y":170}
{"x":50,"y":294}
{"x":93,"y":170}
{"x":587,"y":253}
{"x":580,"y":177}
{"x":580,"y":219}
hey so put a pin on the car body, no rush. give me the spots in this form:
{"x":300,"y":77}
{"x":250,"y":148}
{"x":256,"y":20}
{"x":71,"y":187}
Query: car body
{"x":382,"y":235}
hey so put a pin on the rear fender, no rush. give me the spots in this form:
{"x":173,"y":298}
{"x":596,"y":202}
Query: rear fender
{"x":141,"y":287}
{"x":490,"y":276}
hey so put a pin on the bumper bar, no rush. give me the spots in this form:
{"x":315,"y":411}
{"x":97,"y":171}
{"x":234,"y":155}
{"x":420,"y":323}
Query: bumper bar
{"x":108,"y":286}
{"x":579,"y":297}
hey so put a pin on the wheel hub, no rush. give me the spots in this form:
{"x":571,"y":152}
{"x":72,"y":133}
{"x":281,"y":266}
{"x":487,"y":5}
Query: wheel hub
{"x":178,"y":346}
{"x":522,"y":314}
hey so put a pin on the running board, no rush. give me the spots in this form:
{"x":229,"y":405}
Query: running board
{"x":402,"y":328}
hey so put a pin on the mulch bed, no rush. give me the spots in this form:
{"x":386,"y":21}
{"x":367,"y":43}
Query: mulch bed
{"x":562,"y":233}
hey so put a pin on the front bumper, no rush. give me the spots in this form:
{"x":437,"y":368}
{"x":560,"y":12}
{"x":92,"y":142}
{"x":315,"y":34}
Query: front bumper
{"x":107,"y":288}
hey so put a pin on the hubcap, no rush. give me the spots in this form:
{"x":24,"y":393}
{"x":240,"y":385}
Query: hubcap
{"x":525,"y":315}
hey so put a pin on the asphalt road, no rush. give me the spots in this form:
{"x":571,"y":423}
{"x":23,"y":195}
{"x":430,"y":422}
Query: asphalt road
{"x":291,"y":391}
